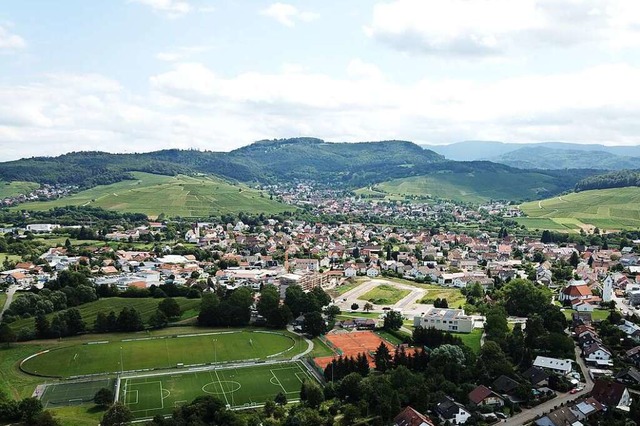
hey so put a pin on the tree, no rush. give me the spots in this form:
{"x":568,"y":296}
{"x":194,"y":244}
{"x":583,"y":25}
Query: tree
{"x":280,"y":399}
{"x":75,"y":324}
{"x":158,"y":319}
{"x":574,"y":260}
{"x":382,"y":358}
{"x":118,"y":414}
{"x":269,"y":407}
{"x":29,"y":409}
{"x":392,"y":320}
{"x":101,"y":324}
{"x":7,"y":335}
{"x":209,"y":310}
{"x":355,"y":306}
{"x":311,"y":394}
{"x":170,"y":308}
{"x":496,"y":325}
{"x":367,"y":307}
{"x":492,"y":362}
{"x":332,"y":311}
{"x":104,"y":397}
{"x":43,"y":329}
{"x":314,"y":324}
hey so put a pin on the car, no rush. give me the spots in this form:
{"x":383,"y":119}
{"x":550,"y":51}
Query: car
{"x":574,"y":390}
{"x":500,"y":415}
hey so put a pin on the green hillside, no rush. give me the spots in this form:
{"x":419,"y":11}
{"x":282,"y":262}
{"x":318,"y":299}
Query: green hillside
{"x":11,"y":189}
{"x":607,"y":209}
{"x":172,"y":195}
{"x":473,"y":187}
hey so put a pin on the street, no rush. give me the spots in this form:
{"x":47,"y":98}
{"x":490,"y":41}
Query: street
{"x":10,"y":292}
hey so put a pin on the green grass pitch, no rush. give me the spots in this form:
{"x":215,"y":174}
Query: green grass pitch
{"x":167,"y":352}
{"x":69,"y":393}
{"x":236,"y":387}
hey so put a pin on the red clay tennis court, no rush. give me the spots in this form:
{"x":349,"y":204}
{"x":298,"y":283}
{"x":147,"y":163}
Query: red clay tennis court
{"x":353,"y":343}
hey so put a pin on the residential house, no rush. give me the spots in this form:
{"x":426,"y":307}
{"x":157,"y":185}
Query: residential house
{"x":561,"y":417}
{"x":482,"y":395}
{"x":596,"y":353}
{"x":537,"y":376}
{"x":411,"y":417}
{"x":505,"y":385}
{"x":629,"y":376}
{"x":611,"y":394}
{"x":562,"y":366}
{"x":633,"y":355}
{"x":452,"y":411}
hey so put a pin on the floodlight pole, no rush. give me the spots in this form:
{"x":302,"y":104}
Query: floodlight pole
{"x":215,"y":352}
{"x":121,"y":362}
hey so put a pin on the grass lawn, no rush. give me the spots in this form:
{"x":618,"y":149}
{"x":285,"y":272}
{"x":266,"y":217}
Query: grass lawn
{"x":472,"y":339}
{"x":348,"y":315}
{"x":320,"y":349}
{"x":3,"y":298}
{"x":596,"y":315}
{"x":12,"y":381}
{"x":390,"y":337}
{"x":236,"y":387}
{"x":109,"y":356}
{"x":342,"y":289}
{"x":384,"y":295}
{"x":146,"y":307}
{"x":453,"y":295}
{"x":608,"y":209}
{"x":183,"y":196}
{"x":80,"y":415}
{"x":11,"y":257}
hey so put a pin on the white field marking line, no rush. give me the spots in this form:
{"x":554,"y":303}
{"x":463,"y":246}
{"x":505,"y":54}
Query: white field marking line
{"x":303,"y":375}
{"x":168,"y":393}
{"x":126,"y":398}
{"x":222,"y":388}
{"x":277,"y":380}
{"x":161,"y":398}
{"x":75,"y":357}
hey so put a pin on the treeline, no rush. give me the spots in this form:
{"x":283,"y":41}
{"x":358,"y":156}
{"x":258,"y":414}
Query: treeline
{"x":617,"y":179}
{"x":85,"y":169}
{"x":74,"y":215}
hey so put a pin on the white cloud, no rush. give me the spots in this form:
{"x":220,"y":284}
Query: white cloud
{"x":193,"y":106}
{"x":287,"y":14}
{"x":9,"y":41}
{"x":181,"y":53}
{"x":170,"y":8}
{"x":498,"y":27}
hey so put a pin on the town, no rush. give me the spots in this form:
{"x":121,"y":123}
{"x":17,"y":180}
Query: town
{"x":552,"y":325}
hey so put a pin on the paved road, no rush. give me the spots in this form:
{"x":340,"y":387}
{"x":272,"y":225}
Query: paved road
{"x":622,"y":307}
{"x":528,"y":415}
{"x":309,"y":344}
{"x":10,"y":292}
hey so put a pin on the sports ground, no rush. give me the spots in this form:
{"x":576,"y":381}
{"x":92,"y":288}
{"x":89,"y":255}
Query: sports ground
{"x":237,"y":387}
{"x":350,"y":344}
{"x":163,"y":352}
{"x":71,"y":393}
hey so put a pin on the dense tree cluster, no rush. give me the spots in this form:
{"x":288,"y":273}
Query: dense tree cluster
{"x":232,"y":309}
{"x":276,"y":315}
{"x":300,"y":302}
{"x":128,"y":319}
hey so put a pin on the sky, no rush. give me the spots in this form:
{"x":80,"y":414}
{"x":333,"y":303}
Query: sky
{"x":143,"y":75}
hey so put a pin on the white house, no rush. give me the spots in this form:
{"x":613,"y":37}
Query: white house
{"x":350,"y":272}
{"x":596,"y":353}
{"x":563,"y":366}
{"x":452,"y":412}
{"x":373,"y":272}
{"x":445,"y":320}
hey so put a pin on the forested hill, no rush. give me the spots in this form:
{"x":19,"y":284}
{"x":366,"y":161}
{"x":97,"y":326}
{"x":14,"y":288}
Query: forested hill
{"x":263,"y":161}
{"x":350,"y":165}
{"x":618,"y":179}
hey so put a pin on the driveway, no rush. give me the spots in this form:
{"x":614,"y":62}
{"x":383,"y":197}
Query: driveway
{"x":10,"y":292}
{"x":407,"y":303}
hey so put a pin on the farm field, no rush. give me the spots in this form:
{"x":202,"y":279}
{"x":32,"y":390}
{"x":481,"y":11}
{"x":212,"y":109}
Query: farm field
{"x":146,"y":307}
{"x":165,"y":352}
{"x":180,"y":195}
{"x":607,"y":209}
{"x":11,"y":189}
{"x":236,"y":387}
{"x":467,"y":187}
{"x":384,"y":295}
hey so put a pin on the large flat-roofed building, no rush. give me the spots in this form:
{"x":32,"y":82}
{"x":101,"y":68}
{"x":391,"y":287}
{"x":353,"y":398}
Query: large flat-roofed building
{"x":453,"y":320}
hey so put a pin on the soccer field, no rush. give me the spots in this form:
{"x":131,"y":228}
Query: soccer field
{"x":163,"y":352}
{"x":73,"y":393}
{"x":236,"y":387}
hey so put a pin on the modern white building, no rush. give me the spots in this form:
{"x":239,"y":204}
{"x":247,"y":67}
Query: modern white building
{"x":42,"y":227}
{"x":453,"y":320}
{"x":563,"y":366}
